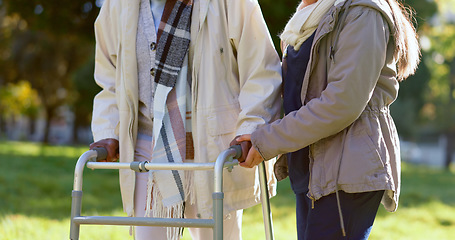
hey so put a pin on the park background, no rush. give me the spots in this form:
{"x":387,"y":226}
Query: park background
{"x":46,"y":93}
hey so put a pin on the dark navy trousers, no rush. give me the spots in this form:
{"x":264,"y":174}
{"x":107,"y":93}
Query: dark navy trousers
{"x":323,"y":221}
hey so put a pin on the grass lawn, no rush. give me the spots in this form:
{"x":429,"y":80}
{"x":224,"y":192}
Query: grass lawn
{"x":36,"y":183}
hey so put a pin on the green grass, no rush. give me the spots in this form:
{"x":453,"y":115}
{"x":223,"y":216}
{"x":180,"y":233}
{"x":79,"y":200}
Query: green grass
{"x":426,"y":210}
{"x":36,"y":183}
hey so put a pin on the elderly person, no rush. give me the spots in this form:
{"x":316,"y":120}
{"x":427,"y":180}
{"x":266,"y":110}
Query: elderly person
{"x":180,"y":79}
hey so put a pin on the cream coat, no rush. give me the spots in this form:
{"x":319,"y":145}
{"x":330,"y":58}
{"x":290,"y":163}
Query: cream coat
{"x":345,"y":119}
{"x":236,"y":76}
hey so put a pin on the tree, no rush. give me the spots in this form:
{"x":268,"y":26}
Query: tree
{"x":51,"y":40}
{"x":85,"y":91}
{"x":442,"y":85}
{"x":438,"y":44}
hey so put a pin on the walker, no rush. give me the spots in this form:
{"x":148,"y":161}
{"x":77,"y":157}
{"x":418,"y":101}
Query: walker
{"x":226,"y":159}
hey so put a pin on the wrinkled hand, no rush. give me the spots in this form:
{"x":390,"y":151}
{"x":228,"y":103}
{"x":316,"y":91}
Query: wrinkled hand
{"x":246,"y":145}
{"x":112,"y":147}
{"x":253,"y":158}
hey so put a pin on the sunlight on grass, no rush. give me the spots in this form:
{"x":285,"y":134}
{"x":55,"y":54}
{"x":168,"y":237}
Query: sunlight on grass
{"x":26,"y":227}
{"x":283,"y":222}
{"x":34,"y":149}
{"x":432,"y":220}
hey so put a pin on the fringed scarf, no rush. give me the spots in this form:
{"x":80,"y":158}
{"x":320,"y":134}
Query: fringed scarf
{"x":169,"y":189}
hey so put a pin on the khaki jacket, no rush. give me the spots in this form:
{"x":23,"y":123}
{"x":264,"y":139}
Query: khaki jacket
{"x":236,"y":75}
{"x":345,"y":118}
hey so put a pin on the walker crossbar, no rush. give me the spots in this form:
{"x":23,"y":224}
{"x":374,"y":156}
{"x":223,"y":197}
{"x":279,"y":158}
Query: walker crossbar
{"x":225,"y":160}
{"x":143,"y":221}
{"x":157,"y":166}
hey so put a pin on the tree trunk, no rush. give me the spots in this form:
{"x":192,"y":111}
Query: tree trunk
{"x":75,"y":128}
{"x":449,"y":149}
{"x":32,"y":127}
{"x":2,"y":126}
{"x":50,"y":111}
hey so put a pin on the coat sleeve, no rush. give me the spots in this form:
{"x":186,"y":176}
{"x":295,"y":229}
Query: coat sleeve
{"x":359,"y":57}
{"x":258,"y":65}
{"x":105,"y":117}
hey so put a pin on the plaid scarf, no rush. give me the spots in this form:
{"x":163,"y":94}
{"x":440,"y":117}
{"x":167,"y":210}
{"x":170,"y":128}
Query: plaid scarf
{"x":167,"y":190}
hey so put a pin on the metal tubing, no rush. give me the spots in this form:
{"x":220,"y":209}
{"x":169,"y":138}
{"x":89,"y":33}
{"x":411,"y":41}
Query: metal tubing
{"x":179,"y":166}
{"x":266,"y":212}
{"x":80,"y":168}
{"x":145,"y":221}
{"x":224,"y":156}
{"x":76,"y":205}
{"x":218,"y":198}
{"x":225,"y":159}
{"x":76,"y":202}
{"x":218,"y":195}
{"x":108,"y":165}
{"x":158,"y":166}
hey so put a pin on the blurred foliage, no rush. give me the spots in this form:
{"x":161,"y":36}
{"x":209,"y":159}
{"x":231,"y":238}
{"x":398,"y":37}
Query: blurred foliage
{"x":441,"y":58}
{"x":422,"y":10}
{"x":56,"y":17}
{"x":406,"y":110}
{"x":18,"y":99}
{"x":440,"y":97}
{"x":85,"y":90}
{"x":46,"y":43}
{"x":50,"y":43}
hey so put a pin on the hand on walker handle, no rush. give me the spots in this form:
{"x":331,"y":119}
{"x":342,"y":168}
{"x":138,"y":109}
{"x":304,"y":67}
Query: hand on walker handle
{"x":253,"y":157}
{"x":112,"y":147}
{"x":246,"y":145}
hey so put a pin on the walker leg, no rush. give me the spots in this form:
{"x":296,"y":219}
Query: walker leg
{"x":218,"y":215}
{"x":76,"y":205}
{"x":218,"y":195}
{"x":266,"y":212}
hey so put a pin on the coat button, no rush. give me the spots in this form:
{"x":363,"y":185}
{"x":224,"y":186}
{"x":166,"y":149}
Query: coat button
{"x":153,"y":46}
{"x":152,"y":71}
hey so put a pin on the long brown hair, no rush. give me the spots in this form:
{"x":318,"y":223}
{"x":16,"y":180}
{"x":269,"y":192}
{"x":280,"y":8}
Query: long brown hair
{"x":407,"y":49}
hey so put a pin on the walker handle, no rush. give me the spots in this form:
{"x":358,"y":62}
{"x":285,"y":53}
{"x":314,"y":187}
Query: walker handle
{"x":101,"y":153}
{"x":238,"y":150}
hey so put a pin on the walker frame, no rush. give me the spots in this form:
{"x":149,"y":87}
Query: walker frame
{"x":226,"y":159}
